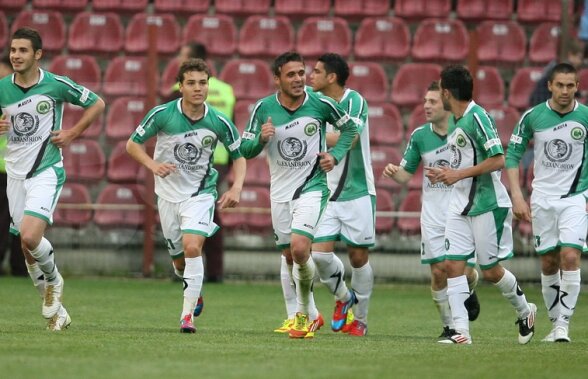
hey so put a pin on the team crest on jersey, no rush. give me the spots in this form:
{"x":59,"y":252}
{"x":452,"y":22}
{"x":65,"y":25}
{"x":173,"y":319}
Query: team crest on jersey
{"x":43,"y":107}
{"x":187,"y":153}
{"x":292,"y":149}
{"x":577,"y":133}
{"x":207,"y":141}
{"x":455,"y":157}
{"x":460,"y":140}
{"x":310,"y":129}
{"x":441,"y":163}
{"x":557,"y":150}
{"x":25,"y":124}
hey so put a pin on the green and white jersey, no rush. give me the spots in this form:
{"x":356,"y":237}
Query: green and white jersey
{"x":299,"y":137}
{"x":560,"y":149}
{"x":34,"y":113}
{"x":353,"y":177}
{"x":432,"y":149}
{"x":189,"y":145}
{"x":473,"y":140}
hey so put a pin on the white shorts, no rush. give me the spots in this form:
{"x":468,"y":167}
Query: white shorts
{"x":192,"y":216}
{"x":352,"y":221}
{"x":487,"y":236}
{"x":559,"y":222}
{"x":36,"y":196}
{"x":433,"y":245}
{"x":300,"y":216}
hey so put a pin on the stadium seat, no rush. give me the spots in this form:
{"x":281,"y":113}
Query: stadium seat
{"x":4,"y":34}
{"x":73,"y":113}
{"x":49,"y":24}
{"x":385,"y":124}
{"x":540,"y":10}
{"x":382,"y":38}
{"x":73,"y":193}
{"x":369,"y":79}
{"x":506,"y":119}
{"x":243,"y":7}
{"x":384,"y":203}
{"x":250,"y":78}
{"x":168,"y":33}
{"x":257,"y":174}
{"x":484,"y":9}
{"x":218,"y":33}
{"x":120,"y":195}
{"x":252,"y":214}
{"x":120,"y":5}
{"x":82,"y":69}
{"x":416,"y":119}
{"x":318,"y":35}
{"x":61,"y":5}
{"x":84,"y":161}
{"x":189,"y":6}
{"x":124,"y":115}
{"x":488,"y":86}
{"x":440,"y":40}
{"x":361,"y":8}
{"x":126,"y":76}
{"x":101,"y":33}
{"x":265,"y":37}
{"x":422,"y":8}
{"x":302,"y":8}
{"x":416,"y":181}
{"x":411,"y":203}
{"x":411,"y":82}
{"x":122,"y":168}
{"x":522,"y":85}
{"x":501,"y":42}
{"x":544,"y":43}
{"x":381,"y":156}
{"x":242,"y":113}
{"x":10,"y":6}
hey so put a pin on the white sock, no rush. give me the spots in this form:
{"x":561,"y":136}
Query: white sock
{"x":570,"y":290}
{"x":473,"y":281}
{"x":293,"y":303}
{"x":37,"y":277}
{"x":44,"y":256}
{"x":362,"y":283}
{"x":288,"y":288}
{"x":550,"y":286}
{"x":457,"y":293}
{"x":442,"y":303}
{"x":513,"y":293}
{"x":303,"y":277}
{"x":193,"y":277}
{"x":332,"y":273}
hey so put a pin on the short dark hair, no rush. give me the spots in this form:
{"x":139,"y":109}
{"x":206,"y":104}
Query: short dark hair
{"x":30,"y":34}
{"x":192,"y":65}
{"x":458,"y":81}
{"x":335,"y":64}
{"x":562,"y":68}
{"x":282,"y":59}
{"x":434,"y":86}
{"x":197,"y":50}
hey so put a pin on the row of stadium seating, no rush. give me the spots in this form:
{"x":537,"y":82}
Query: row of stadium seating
{"x":526,"y":10}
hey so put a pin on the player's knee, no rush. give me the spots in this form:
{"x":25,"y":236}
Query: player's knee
{"x":494,"y":274}
{"x":358,"y":257}
{"x":29,"y":241}
{"x":550,"y":263}
{"x":570,"y":260}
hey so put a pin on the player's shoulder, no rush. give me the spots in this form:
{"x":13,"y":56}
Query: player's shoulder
{"x":354,"y":95}
{"x":216,"y":116}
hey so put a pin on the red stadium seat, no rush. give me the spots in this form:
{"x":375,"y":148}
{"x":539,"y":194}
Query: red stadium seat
{"x":422,"y":8}
{"x":82,"y":69}
{"x":4,"y":34}
{"x":506,"y":119}
{"x":73,"y":193}
{"x":84,"y":161}
{"x":385,"y":124}
{"x":411,"y":82}
{"x":124,"y":115}
{"x":484,"y":9}
{"x":252,"y":214}
{"x":416,"y":182}
{"x":13,"y":5}
{"x":502,"y":42}
{"x":168,"y":33}
{"x":318,"y":35}
{"x":381,"y":156}
{"x":522,"y":85}
{"x":361,"y":8}
{"x":410,"y":203}
{"x":416,"y":119}
{"x":544,"y":43}
{"x":120,"y":5}
{"x":73,"y":113}
{"x":488,"y":87}
{"x":218,"y":33}
{"x":96,"y":33}
{"x":384,"y":203}
{"x":122,"y":168}
{"x":369,"y":79}
{"x":49,"y":24}
{"x":440,"y":40}
{"x":243,"y":7}
{"x":242,"y":112}
{"x":257,"y":173}
{"x":61,"y":5}
{"x":251,"y":78}
{"x":126,"y":76}
{"x":302,"y":8}
{"x":190,"y":6}
{"x":382,"y":38}
{"x":265,"y":37}
{"x":540,"y":10}
{"x":121,"y":195}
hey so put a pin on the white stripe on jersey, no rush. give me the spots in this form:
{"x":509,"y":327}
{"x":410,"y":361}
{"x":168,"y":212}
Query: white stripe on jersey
{"x":252,"y":117}
{"x":481,"y":126}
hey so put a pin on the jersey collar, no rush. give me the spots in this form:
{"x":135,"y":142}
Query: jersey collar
{"x":41,"y":76}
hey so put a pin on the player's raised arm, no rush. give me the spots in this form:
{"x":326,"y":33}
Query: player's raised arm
{"x":257,"y":134}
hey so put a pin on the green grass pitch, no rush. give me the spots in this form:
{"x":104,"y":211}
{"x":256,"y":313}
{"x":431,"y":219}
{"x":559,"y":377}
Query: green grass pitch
{"x":130,"y":329}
